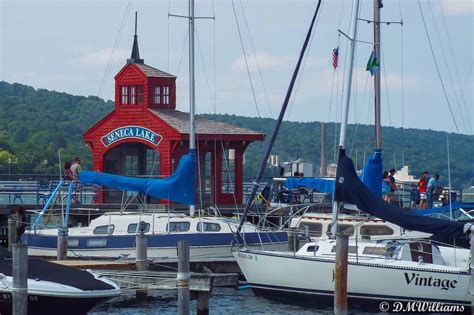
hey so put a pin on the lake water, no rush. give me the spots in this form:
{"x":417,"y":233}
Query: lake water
{"x":223,"y":301}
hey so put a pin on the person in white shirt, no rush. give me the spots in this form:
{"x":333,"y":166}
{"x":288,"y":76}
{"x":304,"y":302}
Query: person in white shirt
{"x":76,"y":167}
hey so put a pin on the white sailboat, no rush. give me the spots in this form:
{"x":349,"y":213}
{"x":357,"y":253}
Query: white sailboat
{"x":382,"y":276}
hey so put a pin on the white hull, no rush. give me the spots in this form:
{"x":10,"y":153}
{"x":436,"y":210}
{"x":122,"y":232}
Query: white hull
{"x":196,"y":252}
{"x":370,"y":279}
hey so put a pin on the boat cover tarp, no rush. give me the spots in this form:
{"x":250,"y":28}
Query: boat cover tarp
{"x":455,"y":206}
{"x":325,"y":185}
{"x":47,"y":271}
{"x":350,"y":189}
{"x":178,"y":187}
{"x":372,"y":173}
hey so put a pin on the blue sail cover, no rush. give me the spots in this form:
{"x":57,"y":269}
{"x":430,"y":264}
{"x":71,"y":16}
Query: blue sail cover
{"x":325,"y":185}
{"x":350,"y":189}
{"x":445,"y":209}
{"x":178,"y":187}
{"x":372,"y":173}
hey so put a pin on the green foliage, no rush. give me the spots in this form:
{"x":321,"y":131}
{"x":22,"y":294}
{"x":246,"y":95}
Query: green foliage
{"x":35,"y":124}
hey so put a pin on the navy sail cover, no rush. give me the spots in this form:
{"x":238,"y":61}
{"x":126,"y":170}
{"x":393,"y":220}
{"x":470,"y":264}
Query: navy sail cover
{"x":178,"y":187}
{"x":350,"y":189}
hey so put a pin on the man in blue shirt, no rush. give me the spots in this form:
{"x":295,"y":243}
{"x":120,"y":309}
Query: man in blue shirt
{"x":431,"y":189}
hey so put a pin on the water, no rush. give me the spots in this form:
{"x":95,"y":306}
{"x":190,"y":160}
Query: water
{"x":223,"y":301}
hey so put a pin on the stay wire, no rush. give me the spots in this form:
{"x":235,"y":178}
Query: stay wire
{"x":447,"y":67}
{"x":117,"y":39}
{"x":245,"y":58}
{"x":453,"y":59}
{"x":256,"y":59}
{"x":437,"y":67}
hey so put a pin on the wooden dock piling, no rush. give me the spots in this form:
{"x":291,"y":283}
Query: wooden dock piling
{"x":340,"y":274}
{"x":141,"y":260}
{"x":12,"y":239}
{"x":182,"y":278}
{"x":62,"y":243}
{"x":20,"y":279}
{"x":203,"y":303}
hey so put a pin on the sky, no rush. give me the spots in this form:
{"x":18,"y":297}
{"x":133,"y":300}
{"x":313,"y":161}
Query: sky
{"x":78,"y":47}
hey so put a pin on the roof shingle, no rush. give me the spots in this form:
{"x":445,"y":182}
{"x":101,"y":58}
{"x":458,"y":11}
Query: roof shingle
{"x":153,"y":72}
{"x":180,"y":121}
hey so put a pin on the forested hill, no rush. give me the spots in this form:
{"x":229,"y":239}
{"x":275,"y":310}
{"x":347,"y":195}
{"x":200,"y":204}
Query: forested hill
{"x":34,"y":124}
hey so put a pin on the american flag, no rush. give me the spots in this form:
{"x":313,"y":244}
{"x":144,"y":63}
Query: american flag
{"x":335,"y":56}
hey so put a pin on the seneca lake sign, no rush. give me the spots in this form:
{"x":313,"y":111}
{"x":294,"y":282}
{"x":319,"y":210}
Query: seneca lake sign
{"x":135,"y":132}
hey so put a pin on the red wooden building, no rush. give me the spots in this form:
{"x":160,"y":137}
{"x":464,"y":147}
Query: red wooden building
{"x":146,"y":136}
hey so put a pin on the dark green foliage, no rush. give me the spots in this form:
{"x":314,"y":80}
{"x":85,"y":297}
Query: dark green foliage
{"x":419,"y":149}
{"x":34,"y":124}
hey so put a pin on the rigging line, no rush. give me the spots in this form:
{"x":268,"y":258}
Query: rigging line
{"x":437,"y":68}
{"x":450,"y":45}
{"x":214,"y":54}
{"x":168,"y":39}
{"x":185,"y":42}
{"x":245,"y":58}
{"x":305,"y":59}
{"x":204,"y":68}
{"x":386,"y":85}
{"x":117,"y":38}
{"x":402,"y":64}
{"x":447,"y":67}
{"x":357,"y":117}
{"x":256,"y":59}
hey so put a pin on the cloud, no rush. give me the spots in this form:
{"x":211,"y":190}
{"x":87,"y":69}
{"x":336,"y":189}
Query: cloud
{"x":101,"y":57}
{"x":457,"y":7}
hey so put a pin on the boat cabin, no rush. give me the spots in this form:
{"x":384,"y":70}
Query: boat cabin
{"x":145,"y":136}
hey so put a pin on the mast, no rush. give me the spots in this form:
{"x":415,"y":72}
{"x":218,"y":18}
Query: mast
{"x":345,"y":110}
{"x":378,"y":123}
{"x":192,"y":96}
{"x":268,"y":149}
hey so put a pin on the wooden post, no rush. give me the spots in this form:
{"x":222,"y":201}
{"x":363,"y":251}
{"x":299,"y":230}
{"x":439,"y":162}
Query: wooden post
{"x":141,"y":261}
{"x":182,"y":279}
{"x":203,"y":303}
{"x":340,"y":274}
{"x":471,"y":287}
{"x":62,"y":243}
{"x":20,"y":279}
{"x":11,"y":233}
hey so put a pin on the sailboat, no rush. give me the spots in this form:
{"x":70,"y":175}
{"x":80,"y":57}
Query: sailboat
{"x":383,"y":275}
{"x":112,"y":235}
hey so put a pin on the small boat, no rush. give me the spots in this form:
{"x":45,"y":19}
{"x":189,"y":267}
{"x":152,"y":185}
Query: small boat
{"x":113,"y":235}
{"x":55,"y":289}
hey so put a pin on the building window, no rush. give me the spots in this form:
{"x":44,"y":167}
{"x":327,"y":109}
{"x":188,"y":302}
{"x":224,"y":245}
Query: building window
{"x":139,"y":94}
{"x":132,"y":95}
{"x":228,"y":171}
{"x":131,"y":165}
{"x":152,"y":163}
{"x":157,"y":95}
{"x":166,"y":95}
{"x":124,"y":95}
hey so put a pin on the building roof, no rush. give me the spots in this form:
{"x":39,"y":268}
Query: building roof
{"x":180,"y":121}
{"x":153,"y":72}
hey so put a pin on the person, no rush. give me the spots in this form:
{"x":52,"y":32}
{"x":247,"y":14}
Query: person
{"x":393,"y":185}
{"x":296,"y":174}
{"x":68,"y":175}
{"x":422,"y":183}
{"x":385,"y":187}
{"x":76,"y":167}
{"x":431,"y":189}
